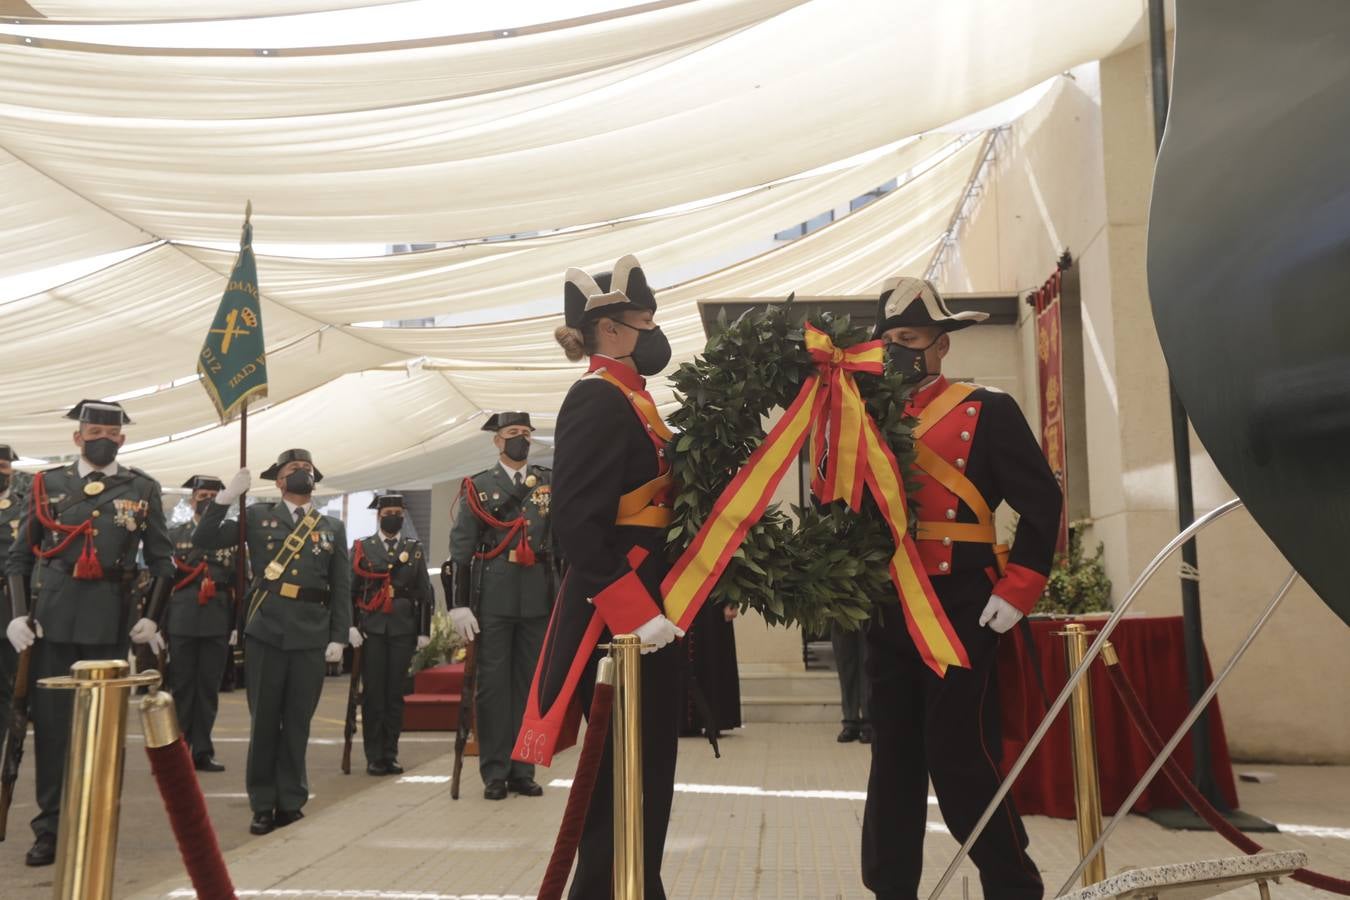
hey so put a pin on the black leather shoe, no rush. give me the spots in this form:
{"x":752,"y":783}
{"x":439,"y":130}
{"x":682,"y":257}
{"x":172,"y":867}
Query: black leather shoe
{"x":377,"y":768}
{"x":526,"y":787}
{"x":393,"y":767}
{"x":848,"y":734}
{"x":207,"y":763}
{"x":865,"y":734}
{"x":43,"y":851}
{"x":262,"y":823}
{"x":495,"y":790}
{"x":285,"y":817}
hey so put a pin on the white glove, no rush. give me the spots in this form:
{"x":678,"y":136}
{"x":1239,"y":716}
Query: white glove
{"x":658,"y":631}
{"x":238,"y":485}
{"x":422,"y":641}
{"x":354,"y":637}
{"x":20,"y":636}
{"x":143,"y":631}
{"x":333,"y":653}
{"x":234,"y":637}
{"x":465,"y":622}
{"x":157,"y":643}
{"x":999,"y":614}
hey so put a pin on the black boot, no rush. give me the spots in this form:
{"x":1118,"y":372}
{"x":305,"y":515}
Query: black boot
{"x":849,"y":733}
{"x":495,"y":790}
{"x":43,"y":851}
{"x":526,"y":787}
{"x":262,"y":823}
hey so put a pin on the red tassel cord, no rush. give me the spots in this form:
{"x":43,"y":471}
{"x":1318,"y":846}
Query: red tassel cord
{"x":206,"y":592}
{"x":518,"y":526}
{"x":383,"y":599}
{"x":192,"y":828}
{"x":87,"y":567}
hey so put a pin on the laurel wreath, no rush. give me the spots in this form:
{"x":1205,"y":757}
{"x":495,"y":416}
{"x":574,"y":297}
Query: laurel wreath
{"x":811,"y":566}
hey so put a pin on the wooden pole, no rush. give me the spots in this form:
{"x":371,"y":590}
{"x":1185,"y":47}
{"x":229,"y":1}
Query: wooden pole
{"x":240,"y":576}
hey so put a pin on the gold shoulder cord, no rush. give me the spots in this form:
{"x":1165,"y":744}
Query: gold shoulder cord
{"x":294,"y":543}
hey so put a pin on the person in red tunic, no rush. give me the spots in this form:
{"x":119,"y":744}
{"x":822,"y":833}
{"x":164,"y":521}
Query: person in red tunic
{"x":976,"y":450}
{"x":612,"y":490}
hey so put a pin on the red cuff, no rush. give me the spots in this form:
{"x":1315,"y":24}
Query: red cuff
{"x":626,"y":604}
{"x":1021,"y":587}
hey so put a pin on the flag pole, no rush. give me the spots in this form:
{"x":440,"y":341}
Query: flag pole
{"x":240,"y":576}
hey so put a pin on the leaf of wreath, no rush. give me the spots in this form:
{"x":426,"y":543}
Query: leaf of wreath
{"x":814,"y":566}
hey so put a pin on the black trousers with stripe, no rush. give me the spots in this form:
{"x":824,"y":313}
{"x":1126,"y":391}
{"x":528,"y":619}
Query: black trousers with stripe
{"x":946,"y":729}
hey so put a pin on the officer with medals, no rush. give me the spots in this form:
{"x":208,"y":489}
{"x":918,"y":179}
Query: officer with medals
{"x":503,"y":531}
{"x":392,"y":600}
{"x":297,"y":616}
{"x":83,"y":525}
{"x":14,"y":488}
{"x":975,"y":451}
{"x":612,"y":509}
{"x":201,"y":625}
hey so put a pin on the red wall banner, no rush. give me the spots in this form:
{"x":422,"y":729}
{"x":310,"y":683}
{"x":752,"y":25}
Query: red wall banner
{"x":1050,"y":378}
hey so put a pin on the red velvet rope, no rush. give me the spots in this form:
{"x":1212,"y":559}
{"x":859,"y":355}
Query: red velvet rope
{"x":183,"y":801}
{"x":579,"y":798}
{"x":524,"y":552}
{"x":87,"y":567}
{"x":1144,"y":725}
{"x":384,"y":598}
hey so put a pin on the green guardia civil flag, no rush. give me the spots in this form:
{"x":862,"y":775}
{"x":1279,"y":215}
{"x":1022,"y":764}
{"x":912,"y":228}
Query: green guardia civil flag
{"x":233,"y":363}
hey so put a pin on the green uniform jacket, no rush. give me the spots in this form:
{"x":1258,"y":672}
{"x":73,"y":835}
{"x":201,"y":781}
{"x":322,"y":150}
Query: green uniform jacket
{"x":127,"y":516}
{"x":413,"y":597}
{"x":508,"y":589}
{"x":11,"y":521}
{"x":187,"y":616}
{"x":320,"y":571}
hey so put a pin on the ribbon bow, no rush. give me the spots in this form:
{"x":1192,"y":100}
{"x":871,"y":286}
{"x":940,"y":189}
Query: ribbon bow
{"x":830,"y":410}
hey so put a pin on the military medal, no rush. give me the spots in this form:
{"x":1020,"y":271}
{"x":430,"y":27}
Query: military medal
{"x":132,"y":525}
{"x":531,"y":481}
{"x":403,"y":557}
{"x":94,"y":488}
{"x":6,"y":503}
{"x":274,"y":570}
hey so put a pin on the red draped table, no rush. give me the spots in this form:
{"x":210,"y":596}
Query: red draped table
{"x":1153,"y":657}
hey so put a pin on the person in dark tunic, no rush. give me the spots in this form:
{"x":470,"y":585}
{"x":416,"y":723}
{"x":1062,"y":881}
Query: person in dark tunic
{"x":201,"y":626}
{"x":975,"y":450}
{"x":611,"y":507}
{"x":83,"y":525}
{"x":710,"y":650}
{"x":392,"y":601}
{"x":14,"y":488}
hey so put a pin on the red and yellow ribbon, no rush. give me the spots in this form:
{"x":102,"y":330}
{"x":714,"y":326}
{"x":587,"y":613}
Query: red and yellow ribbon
{"x":827,"y":405}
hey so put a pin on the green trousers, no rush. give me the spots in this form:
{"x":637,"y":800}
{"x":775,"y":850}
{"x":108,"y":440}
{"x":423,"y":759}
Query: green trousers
{"x":508,"y":650}
{"x":384,"y":667}
{"x":50,"y":711}
{"x":283,"y":692}
{"x":196,"y":667}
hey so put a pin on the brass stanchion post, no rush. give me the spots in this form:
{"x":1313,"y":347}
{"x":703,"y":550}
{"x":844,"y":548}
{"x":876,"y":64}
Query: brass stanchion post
{"x":91,"y":798}
{"x":1086,"y":786}
{"x":627,"y":729}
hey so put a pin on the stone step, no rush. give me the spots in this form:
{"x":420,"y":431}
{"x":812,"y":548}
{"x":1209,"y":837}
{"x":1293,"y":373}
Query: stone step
{"x":788,"y":709}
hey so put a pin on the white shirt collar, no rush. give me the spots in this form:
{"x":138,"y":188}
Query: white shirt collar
{"x":511,"y":473}
{"x":384,"y":538}
{"x":84,"y":467}
{"x":292,"y":507}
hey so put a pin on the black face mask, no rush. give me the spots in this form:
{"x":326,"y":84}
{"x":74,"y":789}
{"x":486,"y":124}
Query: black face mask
{"x":517,"y":448}
{"x":391,"y":525}
{"x":204,"y":505}
{"x":100,"y":451}
{"x":908,"y":362}
{"x":651,"y":353}
{"x":300,"y":482}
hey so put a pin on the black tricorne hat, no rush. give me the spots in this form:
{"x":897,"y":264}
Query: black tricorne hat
{"x":586,"y":298}
{"x":500,"y":420}
{"x":289,"y":456}
{"x":906,"y":300}
{"x":204,"y":483}
{"x":384,"y":501}
{"x":99,"y":412}
{"x":7,"y":453}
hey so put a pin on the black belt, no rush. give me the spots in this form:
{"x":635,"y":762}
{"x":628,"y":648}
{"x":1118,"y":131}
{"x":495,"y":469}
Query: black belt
{"x":299,"y":594}
{"x":121,"y":576}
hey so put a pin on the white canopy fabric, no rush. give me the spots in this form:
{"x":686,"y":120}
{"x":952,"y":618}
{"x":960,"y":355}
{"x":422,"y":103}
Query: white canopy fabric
{"x":105,"y":10}
{"x":546,"y":130}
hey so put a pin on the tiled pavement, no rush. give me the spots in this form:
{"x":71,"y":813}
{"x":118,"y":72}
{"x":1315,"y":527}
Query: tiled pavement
{"x":778,"y":816}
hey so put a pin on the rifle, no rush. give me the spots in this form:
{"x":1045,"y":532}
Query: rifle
{"x":470,"y":685}
{"x":353,"y":698}
{"x":17,"y":733}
